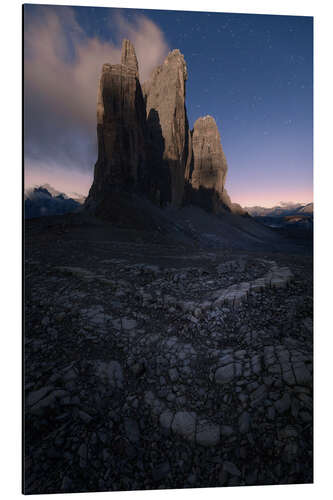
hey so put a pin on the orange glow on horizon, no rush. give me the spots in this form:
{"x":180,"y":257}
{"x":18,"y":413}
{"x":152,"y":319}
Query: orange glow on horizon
{"x":66,"y":181}
{"x":272,"y":198}
{"x":74,"y":181}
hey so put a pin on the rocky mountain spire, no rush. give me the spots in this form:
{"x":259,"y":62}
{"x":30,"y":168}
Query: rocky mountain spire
{"x":128,"y":56}
{"x":144,"y":141}
{"x":168,"y":126}
{"x":209,"y":166}
{"x":121,"y":121}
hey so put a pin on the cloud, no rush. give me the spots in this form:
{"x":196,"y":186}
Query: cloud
{"x":62,"y":65}
{"x":150,"y":45}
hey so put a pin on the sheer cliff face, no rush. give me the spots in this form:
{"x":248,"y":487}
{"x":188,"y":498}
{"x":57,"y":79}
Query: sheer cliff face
{"x":121,"y":125}
{"x":168,"y":126}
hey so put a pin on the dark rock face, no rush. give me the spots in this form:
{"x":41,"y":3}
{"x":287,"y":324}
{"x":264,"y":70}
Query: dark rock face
{"x":120,"y":128}
{"x":168,"y":127}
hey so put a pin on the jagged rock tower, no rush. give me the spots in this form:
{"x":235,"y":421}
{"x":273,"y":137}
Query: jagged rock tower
{"x":145,"y":145}
{"x":121,"y":122}
{"x":210,"y":165}
{"x":208,"y":168}
{"x":167,"y":127}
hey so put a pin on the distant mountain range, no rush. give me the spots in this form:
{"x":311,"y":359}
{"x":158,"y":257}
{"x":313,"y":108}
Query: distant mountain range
{"x":293,"y":219}
{"x":45,"y":200}
{"x":282,"y":210}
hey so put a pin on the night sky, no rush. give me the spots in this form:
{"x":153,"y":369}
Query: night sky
{"x":253,"y":73}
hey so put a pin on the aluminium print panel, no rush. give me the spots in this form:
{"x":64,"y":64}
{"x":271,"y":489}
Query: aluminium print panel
{"x":168,"y":218}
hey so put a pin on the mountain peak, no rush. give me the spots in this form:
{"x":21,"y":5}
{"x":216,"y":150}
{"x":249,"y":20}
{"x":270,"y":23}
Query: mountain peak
{"x":128,"y":56}
{"x":145,"y":144}
{"x":45,"y":200}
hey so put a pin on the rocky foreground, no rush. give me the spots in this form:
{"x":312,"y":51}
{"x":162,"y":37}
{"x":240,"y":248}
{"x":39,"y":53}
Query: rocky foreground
{"x":151,"y":363}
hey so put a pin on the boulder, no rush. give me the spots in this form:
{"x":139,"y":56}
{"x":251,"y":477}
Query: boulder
{"x":184,"y":424}
{"x":207,"y":433}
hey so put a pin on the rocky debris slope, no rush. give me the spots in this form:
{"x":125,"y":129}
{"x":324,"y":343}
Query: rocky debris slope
{"x":168,"y":125}
{"x":120,"y":128}
{"x":129,"y":387}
